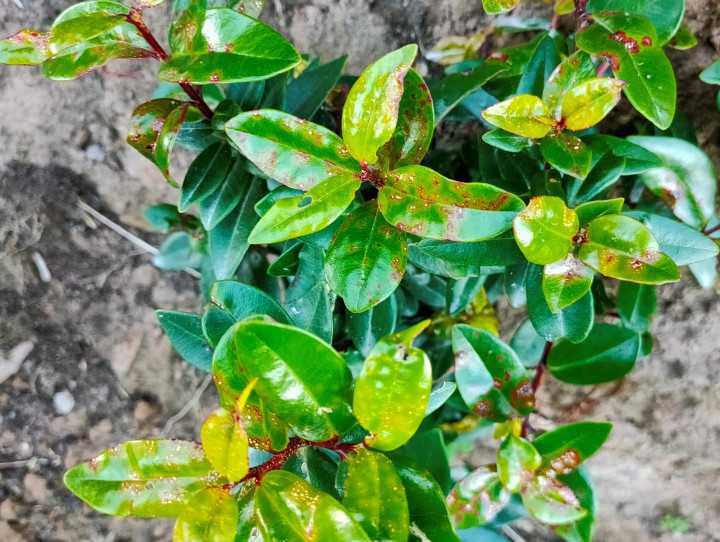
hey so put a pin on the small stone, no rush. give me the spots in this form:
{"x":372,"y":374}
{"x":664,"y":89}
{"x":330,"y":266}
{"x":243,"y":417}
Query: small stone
{"x":144,"y":411}
{"x":35,"y":488}
{"x":7,"y":510}
{"x":95,"y":152}
{"x":64,"y":402}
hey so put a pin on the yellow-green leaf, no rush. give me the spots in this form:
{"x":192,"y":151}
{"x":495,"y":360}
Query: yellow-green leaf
{"x":210,"y":516}
{"x":524,"y":115}
{"x":545,"y":230}
{"x":590,"y":102}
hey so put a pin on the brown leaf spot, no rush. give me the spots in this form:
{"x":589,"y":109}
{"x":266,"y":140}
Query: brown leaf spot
{"x":630,"y":44}
{"x":612,"y":59}
{"x":647,"y":41}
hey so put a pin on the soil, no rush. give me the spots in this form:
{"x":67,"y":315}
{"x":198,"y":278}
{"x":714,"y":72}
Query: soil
{"x":101,"y":372}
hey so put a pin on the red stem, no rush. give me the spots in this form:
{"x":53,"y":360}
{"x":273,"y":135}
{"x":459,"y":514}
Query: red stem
{"x":712,"y":230}
{"x":135,"y":18}
{"x":537,"y":380}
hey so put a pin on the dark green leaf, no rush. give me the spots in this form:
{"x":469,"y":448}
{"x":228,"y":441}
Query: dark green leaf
{"x":540,"y":66}
{"x":316,"y":467}
{"x":587,"y":212}
{"x":568,"y":154}
{"x":205,"y":175}
{"x":456,"y":87}
{"x":506,"y":141}
{"x":219,"y":204}
{"x":242,"y":301}
{"x":497,"y":251}
{"x":307,"y":92}
{"x":367,"y":328}
{"x":186,"y":335}
{"x":636,"y":303}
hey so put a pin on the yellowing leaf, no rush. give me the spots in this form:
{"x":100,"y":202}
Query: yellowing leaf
{"x":525,"y":115}
{"x":590,"y":102}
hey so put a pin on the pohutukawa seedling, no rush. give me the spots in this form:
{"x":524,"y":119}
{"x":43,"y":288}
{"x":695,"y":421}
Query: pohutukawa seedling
{"x":350,"y":265}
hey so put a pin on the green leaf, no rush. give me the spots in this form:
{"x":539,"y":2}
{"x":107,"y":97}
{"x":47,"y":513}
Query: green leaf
{"x":223,"y":46}
{"x":153,"y":130}
{"x":205,"y":175}
{"x":143,"y":478}
{"x":375,"y":497}
{"x":506,"y":141}
{"x":524,"y":115}
{"x":498,"y":6}
{"x":242,"y":301}
{"x":527,"y":344}
{"x":684,"y":39}
{"x":229,"y":240}
{"x":588,"y":103}
{"x":307,"y":92}
{"x":439,"y":394}
{"x":631,"y":46}
{"x":587,"y":212}
{"x":608,"y":354}
{"x":582,"y":530}
{"x":367,"y":328}
{"x":568,"y":154}
{"x":315,"y":210}
{"x":551,"y":501}
{"x":294,"y":152}
{"x":309,"y":298}
{"x":569,"y":74}
{"x":24,"y":48}
{"x":84,"y":21}
{"x":429,"y":518}
{"x":498,"y":251}
{"x":313,"y":399}
{"x":315,"y":466}
{"x":179,"y":251}
{"x":392,"y":391}
{"x":710,"y":75}
{"x":218,"y":205}
{"x":429,"y":450}
{"x":540,"y":66}
{"x":420,"y":201}
{"x":665,"y":15}
{"x":186,"y":335}
{"x":288,"y":262}
{"x":484,"y":366}
{"x":564,"y":448}
{"x":371,"y":111}
{"x":415,"y":124}
{"x":477,"y":498}
{"x":686,"y":180}
{"x":573,"y":322}
{"x":452,"y":90}
{"x":211,"y":515}
{"x":565,"y":282}
{"x":288,"y":509}
{"x":545,"y":229}
{"x":683,"y":244}
{"x":620,"y":247}
{"x":636,"y":303}
{"x":516,"y":456}
{"x":366,"y":260}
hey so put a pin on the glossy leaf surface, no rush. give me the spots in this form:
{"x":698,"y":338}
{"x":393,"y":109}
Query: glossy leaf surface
{"x":516,"y":456}
{"x":587,"y":212}
{"x":581,"y":484}
{"x":242,"y":300}
{"x":371,"y":111}
{"x":607,"y":354}
{"x":545,"y":229}
{"x":143,"y":478}
{"x":524,"y":115}
{"x":551,"y":501}
{"x":588,"y":103}
{"x":205,"y":175}
{"x":294,"y":152}
{"x":186,"y":335}
{"x":498,"y":6}
{"x":564,"y":448}
{"x":620,"y":247}
{"x":375,"y":497}
{"x":288,"y":509}
{"x":665,"y":15}
{"x":568,"y":154}
{"x":571,"y":72}
{"x":24,"y":48}
{"x":315,"y":210}
{"x":392,"y":391}
{"x":313,"y":399}
{"x":565,"y":282}
{"x":368,"y":327}
{"x":452,"y":90}
{"x":211,"y":515}
{"x":477,"y":498}
{"x":366,"y":259}
{"x":224,"y":46}
{"x":420,"y":201}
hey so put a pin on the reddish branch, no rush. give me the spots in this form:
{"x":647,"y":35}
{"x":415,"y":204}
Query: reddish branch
{"x":135,"y":18}
{"x":537,"y":380}
{"x":712,"y":230}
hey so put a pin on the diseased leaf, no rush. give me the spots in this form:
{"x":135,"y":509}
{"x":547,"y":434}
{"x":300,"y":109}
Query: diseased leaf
{"x":499,"y":6}
{"x":551,"y":501}
{"x":631,"y":46}
{"x":524,"y":115}
{"x":564,"y":448}
{"x":665,"y":15}
{"x":84,"y":21}
{"x":571,"y":72}
{"x":153,"y":130}
{"x":24,"y":48}
{"x":371,"y":111}
{"x":375,"y":497}
{"x":143,"y":478}
{"x":287,"y":508}
{"x":607,"y":354}
{"x":582,"y":530}
{"x":568,"y":154}
{"x":294,"y":152}
{"x":211,"y":515}
{"x":588,"y":103}
{"x":313,"y":399}
{"x":683,"y":39}
{"x":366,"y":259}
{"x":516,"y":456}
{"x":223,"y":46}
{"x":392,"y":391}
{"x":565,"y":282}
{"x":420,"y":201}
{"x":477,"y":498}
{"x":620,"y":247}
{"x":545,"y":229}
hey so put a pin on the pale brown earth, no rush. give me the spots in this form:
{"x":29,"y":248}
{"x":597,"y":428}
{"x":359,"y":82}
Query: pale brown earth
{"x":96,"y":339}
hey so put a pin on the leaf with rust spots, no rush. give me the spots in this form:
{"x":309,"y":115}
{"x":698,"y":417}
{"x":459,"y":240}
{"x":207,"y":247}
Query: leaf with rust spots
{"x":153,"y":130}
{"x":420,"y":201}
{"x":565,"y":282}
{"x":630,"y":44}
{"x":568,"y":154}
{"x":25,"y":48}
{"x":495,"y":7}
{"x":572,"y":71}
{"x":477,"y":499}
{"x":551,"y":501}
{"x":545,"y":229}
{"x":564,"y":448}
{"x":665,"y":15}
{"x":416,"y":122}
{"x":581,"y":484}
{"x":524,"y":115}
{"x":143,"y":478}
{"x":371,"y":111}
{"x":607,"y":354}
{"x":620,"y":247}
{"x":516,"y":458}
{"x":84,"y":21}
{"x":289,"y":509}
{"x":294,"y":152}
{"x":366,"y":260}
{"x":316,"y":209}
{"x":223,"y":46}
{"x":211,"y":516}
{"x":590,"y":102}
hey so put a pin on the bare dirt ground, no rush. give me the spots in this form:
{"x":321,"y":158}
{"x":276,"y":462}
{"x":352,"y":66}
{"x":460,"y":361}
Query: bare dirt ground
{"x":101,"y":372}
